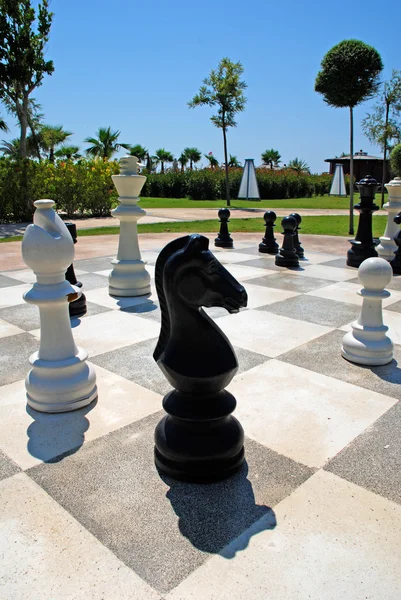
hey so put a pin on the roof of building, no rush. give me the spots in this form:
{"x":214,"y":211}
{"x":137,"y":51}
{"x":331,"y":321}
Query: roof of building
{"x":361,"y":155}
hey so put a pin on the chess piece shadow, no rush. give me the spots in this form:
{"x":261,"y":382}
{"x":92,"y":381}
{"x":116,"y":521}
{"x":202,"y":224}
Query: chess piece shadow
{"x":390,"y":372}
{"x":52,"y":436}
{"x":143,"y":307}
{"x":212,"y":516}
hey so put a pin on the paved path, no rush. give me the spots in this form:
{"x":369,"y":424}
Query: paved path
{"x":166,"y":215}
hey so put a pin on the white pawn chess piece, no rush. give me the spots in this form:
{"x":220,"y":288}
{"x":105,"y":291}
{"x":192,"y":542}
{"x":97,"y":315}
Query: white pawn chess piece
{"x":60,"y":379}
{"x":129,"y":276}
{"x":367,"y":343}
{"x":387,"y":246}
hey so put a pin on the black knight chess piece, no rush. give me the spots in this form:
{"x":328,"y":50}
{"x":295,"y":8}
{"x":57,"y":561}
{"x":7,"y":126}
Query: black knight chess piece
{"x":297,"y":244}
{"x":396,"y":262}
{"x":77,"y":307}
{"x":287,"y":256}
{"x":268,"y":244}
{"x":224,"y":240}
{"x":199,"y":440}
{"x":364,"y":246}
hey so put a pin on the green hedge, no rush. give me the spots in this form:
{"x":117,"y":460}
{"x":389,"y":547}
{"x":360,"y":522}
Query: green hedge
{"x":86,"y":187}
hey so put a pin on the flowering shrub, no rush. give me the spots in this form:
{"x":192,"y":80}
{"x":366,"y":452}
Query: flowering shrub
{"x":86,"y":187}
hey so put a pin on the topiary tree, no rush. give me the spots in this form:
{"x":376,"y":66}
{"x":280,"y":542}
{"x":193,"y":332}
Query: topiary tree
{"x":395,"y":160}
{"x":225,"y":90}
{"x":349,"y":75}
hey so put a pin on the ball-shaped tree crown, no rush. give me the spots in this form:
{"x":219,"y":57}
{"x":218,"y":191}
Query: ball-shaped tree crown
{"x":395,"y":160}
{"x":349,"y":74}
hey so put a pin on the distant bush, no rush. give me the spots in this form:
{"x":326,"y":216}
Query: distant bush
{"x":86,"y":187}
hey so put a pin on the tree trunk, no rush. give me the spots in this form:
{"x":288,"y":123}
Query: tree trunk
{"x":161,"y":167}
{"x":351,"y":173}
{"x":190,"y":164}
{"x":384,"y":171}
{"x":226,"y":165}
{"x":23,"y":119}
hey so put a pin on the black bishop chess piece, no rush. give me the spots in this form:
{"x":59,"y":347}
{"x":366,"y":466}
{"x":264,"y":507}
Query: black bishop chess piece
{"x":396,"y":262}
{"x":287,"y":256}
{"x":198,"y":440}
{"x":77,"y":307}
{"x":297,"y":244}
{"x":268,"y":244}
{"x":224,"y":240}
{"x":364,"y":246}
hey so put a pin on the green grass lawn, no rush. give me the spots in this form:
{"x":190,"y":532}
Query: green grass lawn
{"x":322,"y":225}
{"x":317,"y":202}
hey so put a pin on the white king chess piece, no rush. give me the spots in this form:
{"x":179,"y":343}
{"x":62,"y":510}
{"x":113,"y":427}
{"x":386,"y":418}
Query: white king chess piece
{"x":387,"y":246}
{"x":60,"y":378}
{"x":129,"y":276}
{"x":367,"y":343}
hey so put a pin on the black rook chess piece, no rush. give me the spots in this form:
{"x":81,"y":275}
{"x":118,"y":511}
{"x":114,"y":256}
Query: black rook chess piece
{"x":287,"y":256}
{"x":224,"y":240}
{"x":268,"y":244}
{"x":77,"y":307}
{"x":396,"y":262}
{"x":199,"y":440}
{"x":298,"y":248}
{"x":363,"y":246}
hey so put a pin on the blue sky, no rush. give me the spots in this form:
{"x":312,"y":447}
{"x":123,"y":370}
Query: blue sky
{"x":134,"y":66}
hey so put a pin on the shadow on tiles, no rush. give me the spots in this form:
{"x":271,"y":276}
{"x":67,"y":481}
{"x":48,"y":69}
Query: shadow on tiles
{"x":390,"y":372}
{"x":213,"y":515}
{"x":53,"y":436}
{"x":144,"y":307}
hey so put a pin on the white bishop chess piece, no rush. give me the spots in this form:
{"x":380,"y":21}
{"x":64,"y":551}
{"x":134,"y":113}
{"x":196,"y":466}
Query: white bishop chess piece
{"x":367,"y":343}
{"x":129,"y":276}
{"x":60,"y":379}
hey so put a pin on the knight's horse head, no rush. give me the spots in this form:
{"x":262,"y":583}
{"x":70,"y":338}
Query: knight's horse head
{"x":188,"y":270}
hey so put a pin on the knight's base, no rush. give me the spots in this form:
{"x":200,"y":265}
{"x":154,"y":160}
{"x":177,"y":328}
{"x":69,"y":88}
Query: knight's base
{"x":268,"y":249}
{"x":199,"y":440}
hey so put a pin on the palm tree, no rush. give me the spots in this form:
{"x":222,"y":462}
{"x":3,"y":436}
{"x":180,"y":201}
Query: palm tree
{"x":233,"y":162}
{"x":194,"y":155}
{"x":3,"y":125}
{"x":68,"y":152}
{"x":213,"y":162}
{"x":183,"y":160}
{"x":11,"y":148}
{"x":139,"y":151}
{"x":163,"y":156}
{"x":50,"y":136}
{"x":105,"y":144}
{"x":299,"y":166}
{"x":271,"y":157}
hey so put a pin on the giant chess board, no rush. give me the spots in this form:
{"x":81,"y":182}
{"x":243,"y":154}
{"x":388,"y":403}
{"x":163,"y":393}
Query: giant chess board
{"x":315,"y":513}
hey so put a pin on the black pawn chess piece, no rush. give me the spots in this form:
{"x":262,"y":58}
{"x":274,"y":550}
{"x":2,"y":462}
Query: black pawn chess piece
{"x":224,"y":240}
{"x":298,"y":248}
{"x":268,"y":244}
{"x":396,"y":262}
{"x":287,"y":257}
{"x":198,"y":440}
{"x":364,"y":246}
{"x":77,"y":307}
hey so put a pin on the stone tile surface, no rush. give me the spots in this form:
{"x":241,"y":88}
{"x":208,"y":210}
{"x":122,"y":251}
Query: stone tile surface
{"x":332,"y":540}
{"x":95,"y":264}
{"x":314,"y":310}
{"x":268,"y":334}
{"x":373,"y":459}
{"x":13,"y":350}
{"x":30,"y":437}
{"x":8,"y":468}
{"x":286,"y":281}
{"x":46,"y":553}
{"x":323,"y":355}
{"x":304,"y":415}
{"x":161,"y":528}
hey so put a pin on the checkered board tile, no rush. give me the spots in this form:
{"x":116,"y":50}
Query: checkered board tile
{"x":314,"y":513}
